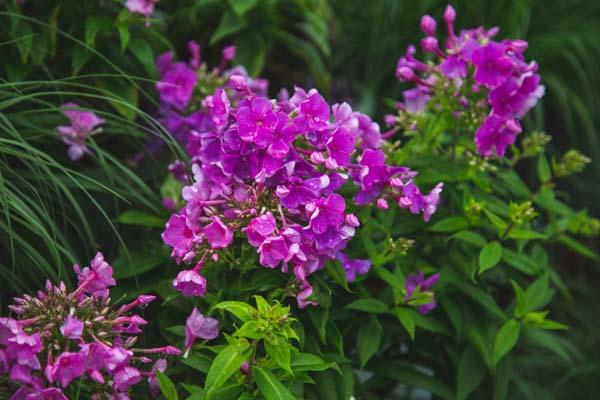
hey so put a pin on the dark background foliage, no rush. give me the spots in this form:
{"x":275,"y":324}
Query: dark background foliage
{"x":347,"y":48}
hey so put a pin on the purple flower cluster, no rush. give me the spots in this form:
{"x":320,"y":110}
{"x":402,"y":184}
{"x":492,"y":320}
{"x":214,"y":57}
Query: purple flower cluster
{"x":58,"y":338}
{"x":418,"y":292}
{"x":143,"y":7}
{"x":83,"y":124}
{"x":269,"y":171}
{"x":492,"y":76}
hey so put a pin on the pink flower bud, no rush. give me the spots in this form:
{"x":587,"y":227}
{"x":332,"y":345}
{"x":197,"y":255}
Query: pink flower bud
{"x":382,"y":204}
{"x":239,"y":82}
{"x":449,"y":14}
{"x":228,"y":53}
{"x":430,"y":45}
{"x":428,"y":25}
{"x":407,"y":74}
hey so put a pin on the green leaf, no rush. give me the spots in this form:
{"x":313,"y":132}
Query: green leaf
{"x":230,"y":24}
{"x":124,"y":96}
{"x":578,"y":247}
{"x":241,"y":7}
{"x":167,"y":387}
{"x":270,"y":387}
{"x":241,"y":310}
{"x":368,"y":340}
{"x":450,"y":224}
{"x":543,"y":169}
{"x":319,"y":317}
{"x":495,"y":220}
{"x":279,"y":350}
{"x":537,"y":293}
{"x":489,"y":256}
{"x":335,"y":270}
{"x":23,"y":38}
{"x":124,"y":36}
{"x":471,"y":371}
{"x":226,"y":363}
{"x":522,"y":306}
{"x":141,"y":218}
{"x":261,"y":305}
{"x":251,"y":330}
{"x":524,"y":234}
{"x":142,"y":51}
{"x":407,"y":321}
{"x":310,"y":362}
{"x":369,"y":305}
{"x":198,"y":362}
{"x":93,"y":25}
{"x":470,"y":237}
{"x":79,"y":56}
{"x":408,"y":375}
{"x":506,"y":339}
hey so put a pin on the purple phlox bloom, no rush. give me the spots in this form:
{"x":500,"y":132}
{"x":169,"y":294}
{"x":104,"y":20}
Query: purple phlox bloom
{"x":125,"y":377}
{"x":418,"y":281}
{"x":72,"y":328}
{"x":179,"y":237}
{"x":83,"y":124}
{"x":190,"y":283}
{"x":199,"y":326}
{"x":257,"y":121}
{"x":368,"y":131}
{"x":326,"y":212}
{"x":418,"y":203}
{"x":340,"y":146}
{"x":260,"y":228}
{"x":454,"y":67}
{"x":492,"y":65}
{"x":416,"y":99}
{"x":353,"y":267}
{"x":218,"y":234}
{"x":144,"y":7}
{"x":68,"y":366}
{"x":219,"y":107}
{"x":176,"y":85}
{"x":496,"y":133}
{"x":314,"y":112}
{"x":97,"y":278}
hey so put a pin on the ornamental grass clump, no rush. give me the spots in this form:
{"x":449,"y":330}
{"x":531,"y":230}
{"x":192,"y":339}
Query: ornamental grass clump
{"x":60,"y":343}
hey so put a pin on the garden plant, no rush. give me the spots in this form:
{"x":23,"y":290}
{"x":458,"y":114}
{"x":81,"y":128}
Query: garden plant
{"x":256,"y":235}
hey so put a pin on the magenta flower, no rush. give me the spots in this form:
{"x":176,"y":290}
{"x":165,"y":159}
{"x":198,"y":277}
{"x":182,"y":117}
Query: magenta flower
{"x":199,"y":326}
{"x":144,"y":7}
{"x":353,"y":267}
{"x":257,"y":121}
{"x":260,"y":228}
{"x":97,"y":278}
{"x":67,"y":366}
{"x":496,"y":133}
{"x":176,"y":85}
{"x":83,"y":125}
{"x":72,"y":328}
{"x":220,"y":107}
{"x":314,"y":112}
{"x":190,"y":283}
{"x":273,"y":250}
{"x":340,"y":146}
{"x":179,"y":237}
{"x":126,"y":377}
{"x":218,"y":234}
{"x":419,"y":203}
{"x":492,"y":65}
{"x":417,"y":282}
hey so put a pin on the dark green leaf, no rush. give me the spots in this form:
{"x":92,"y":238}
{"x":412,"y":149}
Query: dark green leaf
{"x":230,"y":24}
{"x":489,"y":256}
{"x":405,"y":318}
{"x":226,"y":363}
{"x":471,"y":371}
{"x":368,"y":305}
{"x":506,"y":339}
{"x":167,"y":387}
{"x":270,"y":387}
{"x":241,"y":7}
{"x":141,"y":218}
{"x":368,"y":340}
{"x":450,"y":224}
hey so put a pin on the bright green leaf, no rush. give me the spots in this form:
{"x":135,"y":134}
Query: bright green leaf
{"x":506,"y":339}
{"x":489,"y":256}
